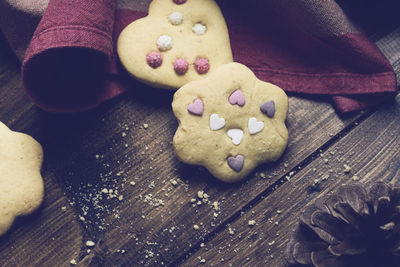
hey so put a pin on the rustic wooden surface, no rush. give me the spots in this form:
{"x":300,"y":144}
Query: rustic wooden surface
{"x":113,"y":181}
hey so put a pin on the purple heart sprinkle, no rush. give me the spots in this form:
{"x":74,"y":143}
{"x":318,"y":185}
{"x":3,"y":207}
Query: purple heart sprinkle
{"x":268,"y":108}
{"x":237,"y":98}
{"x":236,"y":163}
{"x":196,"y":108}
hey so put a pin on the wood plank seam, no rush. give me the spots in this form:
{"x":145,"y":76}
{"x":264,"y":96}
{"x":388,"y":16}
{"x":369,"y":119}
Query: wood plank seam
{"x":269,"y":190}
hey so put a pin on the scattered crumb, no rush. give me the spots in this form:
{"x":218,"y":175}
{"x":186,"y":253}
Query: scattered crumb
{"x":200,"y":194}
{"x":63,"y":208}
{"x":216,"y":205}
{"x":355,"y":178}
{"x":347,"y":168}
{"x":145,"y":125}
{"x":73,"y":262}
{"x":132,"y":183}
{"x":230,"y":231}
{"x":90,"y":243}
{"x":252,"y":222}
{"x":123,"y":134}
{"x":174,"y":182}
{"x":196,"y":227}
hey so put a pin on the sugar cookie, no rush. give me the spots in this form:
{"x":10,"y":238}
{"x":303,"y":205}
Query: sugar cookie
{"x":230,"y":122}
{"x":178,"y":42}
{"x":21,"y":184}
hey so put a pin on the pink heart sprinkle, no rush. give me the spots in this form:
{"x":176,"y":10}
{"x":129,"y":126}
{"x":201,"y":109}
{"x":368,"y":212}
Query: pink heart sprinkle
{"x":196,"y":108}
{"x":237,"y":97}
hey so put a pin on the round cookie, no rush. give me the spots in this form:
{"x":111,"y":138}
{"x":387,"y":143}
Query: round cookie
{"x":230,"y":122}
{"x":192,"y":32}
{"x":21,"y":184}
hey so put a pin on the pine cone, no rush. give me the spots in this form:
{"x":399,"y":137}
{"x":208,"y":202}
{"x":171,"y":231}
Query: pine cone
{"x":354,"y":227}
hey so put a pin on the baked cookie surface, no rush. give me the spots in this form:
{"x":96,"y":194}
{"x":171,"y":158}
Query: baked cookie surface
{"x":178,"y":42}
{"x":21,"y":184}
{"x":230,"y":122}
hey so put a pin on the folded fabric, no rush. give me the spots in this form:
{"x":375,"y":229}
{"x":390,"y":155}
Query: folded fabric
{"x":304,"y":46}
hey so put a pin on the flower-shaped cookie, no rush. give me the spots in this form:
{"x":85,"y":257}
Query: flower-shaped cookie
{"x":178,"y":42}
{"x":230,"y":122}
{"x":21,"y":184}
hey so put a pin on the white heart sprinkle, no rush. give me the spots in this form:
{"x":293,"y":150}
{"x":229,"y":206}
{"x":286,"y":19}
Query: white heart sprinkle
{"x":216,"y":122}
{"x":255,"y":126}
{"x":236,"y":135}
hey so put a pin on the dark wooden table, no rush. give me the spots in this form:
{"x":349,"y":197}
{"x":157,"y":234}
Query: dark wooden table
{"x":111,"y":177}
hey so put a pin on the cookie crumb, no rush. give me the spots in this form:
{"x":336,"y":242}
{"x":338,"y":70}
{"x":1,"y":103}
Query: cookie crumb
{"x":132,"y":183}
{"x":200,"y":194}
{"x":252,"y":222}
{"x":73,"y":262}
{"x":196,"y":227}
{"x":230,"y":231}
{"x":145,"y":125}
{"x":347,"y":168}
{"x":174,"y":182}
{"x":355,"y":178}
{"x":216,"y":205}
{"x":90,"y":243}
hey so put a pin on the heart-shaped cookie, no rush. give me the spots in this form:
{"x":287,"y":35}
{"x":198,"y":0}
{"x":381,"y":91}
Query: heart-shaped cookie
{"x":216,"y":122}
{"x":176,"y":43}
{"x":236,"y":135}
{"x":255,"y":126}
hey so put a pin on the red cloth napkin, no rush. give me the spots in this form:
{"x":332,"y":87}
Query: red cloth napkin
{"x":304,"y":46}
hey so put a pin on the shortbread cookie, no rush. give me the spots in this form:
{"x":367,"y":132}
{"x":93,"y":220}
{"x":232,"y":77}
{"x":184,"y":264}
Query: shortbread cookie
{"x":178,"y":42}
{"x":230,"y":122}
{"x":21,"y":184}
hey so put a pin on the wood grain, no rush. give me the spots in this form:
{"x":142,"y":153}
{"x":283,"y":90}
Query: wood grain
{"x":50,"y":235}
{"x":372,"y":150}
